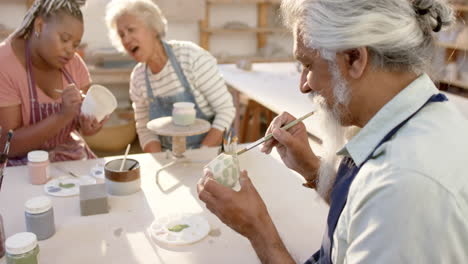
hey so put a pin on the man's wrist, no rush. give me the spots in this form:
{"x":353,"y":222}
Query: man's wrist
{"x":310,"y":173}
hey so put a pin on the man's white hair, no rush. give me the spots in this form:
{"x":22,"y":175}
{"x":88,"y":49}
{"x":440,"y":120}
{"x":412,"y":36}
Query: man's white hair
{"x":145,"y":10}
{"x":397,"y":33}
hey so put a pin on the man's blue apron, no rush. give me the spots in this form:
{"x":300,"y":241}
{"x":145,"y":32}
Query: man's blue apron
{"x":162,"y":106}
{"x":345,"y":176}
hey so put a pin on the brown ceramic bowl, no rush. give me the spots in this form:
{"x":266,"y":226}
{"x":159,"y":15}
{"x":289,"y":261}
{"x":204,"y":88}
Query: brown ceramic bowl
{"x":115,"y":135}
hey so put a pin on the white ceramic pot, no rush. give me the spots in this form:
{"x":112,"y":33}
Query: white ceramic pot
{"x":183,"y":114}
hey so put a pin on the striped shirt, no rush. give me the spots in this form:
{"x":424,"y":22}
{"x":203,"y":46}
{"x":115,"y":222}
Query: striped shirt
{"x":208,"y":88}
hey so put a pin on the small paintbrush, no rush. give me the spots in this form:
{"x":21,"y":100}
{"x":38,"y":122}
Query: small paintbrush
{"x":4,"y":156}
{"x":223,"y":143}
{"x":269,"y":136}
{"x":7,"y":144}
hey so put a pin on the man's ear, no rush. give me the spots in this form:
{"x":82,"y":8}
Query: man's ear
{"x":356,"y":61}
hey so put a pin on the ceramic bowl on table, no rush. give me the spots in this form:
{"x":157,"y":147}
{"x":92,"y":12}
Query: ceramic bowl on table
{"x":116,"y":133}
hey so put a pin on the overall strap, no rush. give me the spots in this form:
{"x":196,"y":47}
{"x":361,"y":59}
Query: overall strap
{"x":149,"y":90}
{"x":34,"y":104}
{"x":177,"y":68}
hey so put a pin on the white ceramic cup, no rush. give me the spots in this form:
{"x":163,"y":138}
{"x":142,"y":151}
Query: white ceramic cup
{"x":225,"y":169}
{"x":99,"y":102}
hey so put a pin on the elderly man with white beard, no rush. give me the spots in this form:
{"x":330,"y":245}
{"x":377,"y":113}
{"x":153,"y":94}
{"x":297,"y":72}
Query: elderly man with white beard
{"x":398,"y":189}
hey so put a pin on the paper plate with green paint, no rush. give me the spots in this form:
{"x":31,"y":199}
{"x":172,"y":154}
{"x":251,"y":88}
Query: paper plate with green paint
{"x":225,"y":169}
{"x":179,"y":229}
{"x":63,"y":187}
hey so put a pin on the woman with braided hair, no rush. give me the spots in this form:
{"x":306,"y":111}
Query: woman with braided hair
{"x":40,"y":81}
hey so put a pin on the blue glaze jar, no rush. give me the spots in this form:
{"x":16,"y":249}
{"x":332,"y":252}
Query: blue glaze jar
{"x":39,"y":216}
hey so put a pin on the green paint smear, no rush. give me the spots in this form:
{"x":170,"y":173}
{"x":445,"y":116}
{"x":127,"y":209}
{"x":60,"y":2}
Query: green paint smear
{"x":66,"y":186}
{"x":216,"y":168}
{"x":178,"y":228}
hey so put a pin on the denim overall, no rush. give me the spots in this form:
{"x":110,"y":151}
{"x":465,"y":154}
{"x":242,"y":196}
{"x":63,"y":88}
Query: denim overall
{"x":345,"y":176}
{"x":162,"y":106}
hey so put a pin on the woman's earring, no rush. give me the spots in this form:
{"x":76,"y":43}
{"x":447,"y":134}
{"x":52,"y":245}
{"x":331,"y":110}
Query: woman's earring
{"x":36,"y":34}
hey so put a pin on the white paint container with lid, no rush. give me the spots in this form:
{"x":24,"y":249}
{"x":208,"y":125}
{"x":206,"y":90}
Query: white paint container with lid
{"x":22,"y":248}
{"x":38,"y":166}
{"x":183,"y":113}
{"x":39,"y":215}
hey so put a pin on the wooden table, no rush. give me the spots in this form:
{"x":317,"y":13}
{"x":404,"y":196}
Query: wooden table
{"x":121,"y":236}
{"x":273,"y":85}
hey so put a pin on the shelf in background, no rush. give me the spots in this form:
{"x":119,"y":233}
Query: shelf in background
{"x":451,"y":46}
{"x":461,"y":8}
{"x":456,"y":83}
{"x":107,"y":76}
{"x":245,"y":30}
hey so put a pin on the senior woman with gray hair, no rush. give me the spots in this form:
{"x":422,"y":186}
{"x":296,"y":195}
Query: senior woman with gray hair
{"x":168,"y":72}
{"x":400,"y":194}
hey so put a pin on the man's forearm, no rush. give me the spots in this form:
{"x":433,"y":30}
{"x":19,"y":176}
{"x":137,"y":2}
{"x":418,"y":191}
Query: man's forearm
{"x":269,"y":247}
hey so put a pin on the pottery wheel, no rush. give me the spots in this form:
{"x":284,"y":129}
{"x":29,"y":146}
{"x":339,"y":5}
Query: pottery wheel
{"x":165,"y":127}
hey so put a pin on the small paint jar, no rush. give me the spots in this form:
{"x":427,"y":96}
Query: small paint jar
{"x":183,"y":113}
{"x":38,"y":165}
{"x":39,"y":216}
{"x":22,"y":248}
{"x":2,"y":238}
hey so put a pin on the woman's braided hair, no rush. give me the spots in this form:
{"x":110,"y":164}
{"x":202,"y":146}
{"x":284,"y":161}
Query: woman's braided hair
{"x":46,"y":8}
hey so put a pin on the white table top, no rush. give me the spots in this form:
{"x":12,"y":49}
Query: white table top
{"x":275,"y":86}
{"x":121,"y":235}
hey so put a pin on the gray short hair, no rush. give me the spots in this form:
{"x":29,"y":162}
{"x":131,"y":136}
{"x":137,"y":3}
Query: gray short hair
{"x":397,"y":33}
{"x":145,"y":10}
